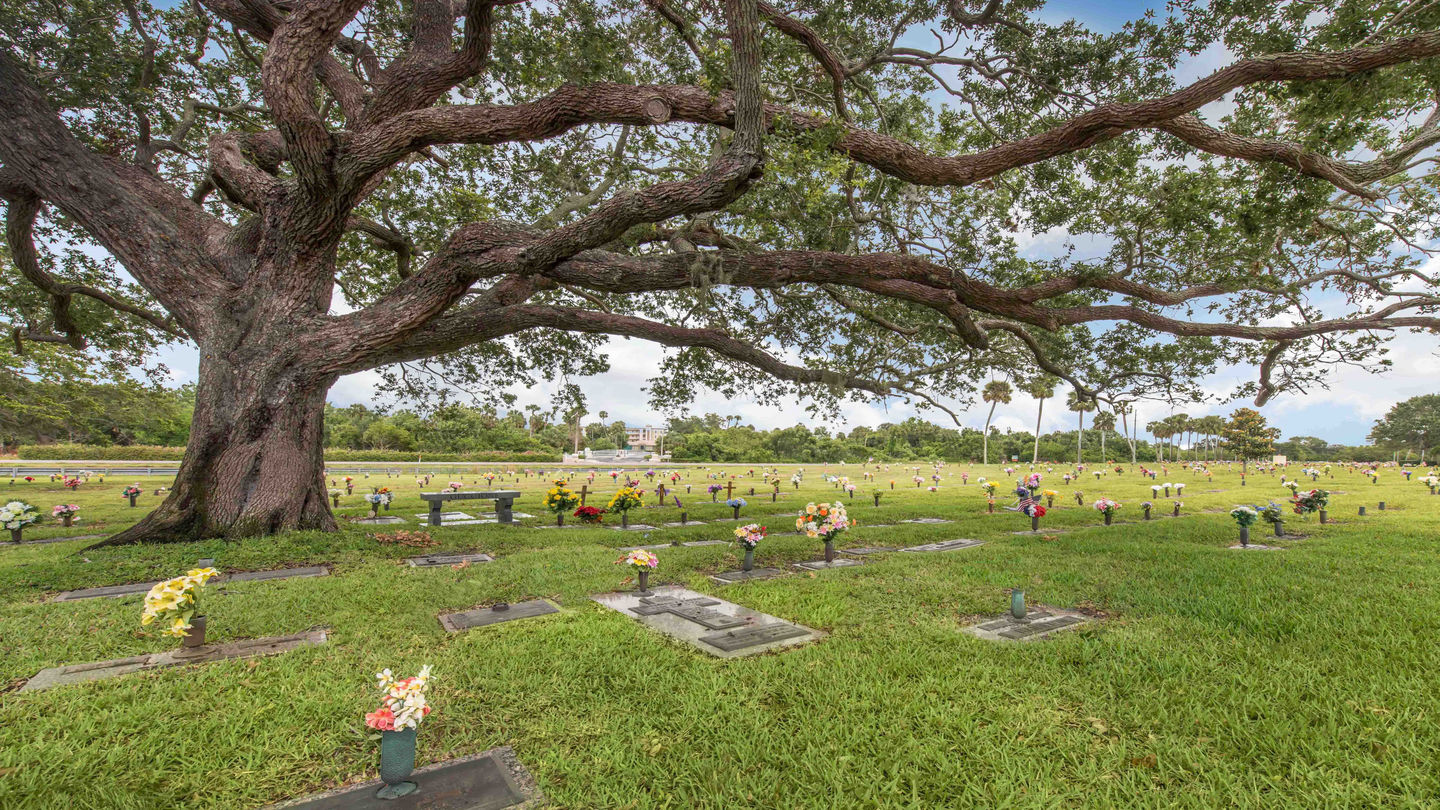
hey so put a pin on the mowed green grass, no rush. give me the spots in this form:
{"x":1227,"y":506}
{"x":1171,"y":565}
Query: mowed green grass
{"x":1301,"y":678}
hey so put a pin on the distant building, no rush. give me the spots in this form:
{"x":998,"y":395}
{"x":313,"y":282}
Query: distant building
{"x":644,"y":438}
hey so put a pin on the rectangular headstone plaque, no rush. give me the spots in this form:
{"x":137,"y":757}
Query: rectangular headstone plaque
{"x":729,"y":577}
{"x":135,"y":588}
{"x":486,"y":616}
{"x":383,"y":520}
{"x":927,"y":520}
{"x":494,"y":780}
{"x":733,"y":640}
{"x":948,"y":545}
{"x":688,"y":616}
{"x":1038,"y":623}
{"x":868,"y":550}
{"x":279,"y":573}
{"x":821,"y":565}
{"x":100,"y":670}
{"x":436,"y":560}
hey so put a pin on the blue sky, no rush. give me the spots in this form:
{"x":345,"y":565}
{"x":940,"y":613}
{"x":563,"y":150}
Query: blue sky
{"x":1344,"y":413}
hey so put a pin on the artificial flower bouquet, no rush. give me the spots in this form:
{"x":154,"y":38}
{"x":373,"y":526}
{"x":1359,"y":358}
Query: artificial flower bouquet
{"x":174,"y":602}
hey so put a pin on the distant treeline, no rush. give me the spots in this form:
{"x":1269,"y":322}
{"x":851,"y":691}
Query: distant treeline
{"x":114,"y":422}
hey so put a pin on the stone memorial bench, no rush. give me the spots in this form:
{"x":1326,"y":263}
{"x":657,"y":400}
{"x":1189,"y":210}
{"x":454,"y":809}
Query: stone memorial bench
{"x":504,"y":503}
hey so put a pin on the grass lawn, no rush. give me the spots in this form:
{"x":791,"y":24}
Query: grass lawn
{"x":1300,"y":678}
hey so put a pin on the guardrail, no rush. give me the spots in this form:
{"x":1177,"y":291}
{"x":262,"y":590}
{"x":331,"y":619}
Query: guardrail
{"x":147,"y":469}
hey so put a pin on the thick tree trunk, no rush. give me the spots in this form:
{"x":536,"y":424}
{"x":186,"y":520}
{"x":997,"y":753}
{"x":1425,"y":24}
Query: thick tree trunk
{"x":254,"y":464}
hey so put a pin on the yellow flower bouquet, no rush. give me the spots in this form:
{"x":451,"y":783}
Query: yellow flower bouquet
{"x":174,"y":602}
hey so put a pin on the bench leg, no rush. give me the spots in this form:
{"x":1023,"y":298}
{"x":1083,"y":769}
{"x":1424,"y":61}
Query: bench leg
{"x":504,"y":510}
{"x":435,"y":513}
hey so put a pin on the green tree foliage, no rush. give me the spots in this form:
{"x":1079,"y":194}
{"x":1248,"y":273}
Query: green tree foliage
{"x":1248,"y":436}
{"x":1412,"y":425}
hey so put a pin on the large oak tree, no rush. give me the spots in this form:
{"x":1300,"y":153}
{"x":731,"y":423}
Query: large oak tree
{"x":825,"y":198}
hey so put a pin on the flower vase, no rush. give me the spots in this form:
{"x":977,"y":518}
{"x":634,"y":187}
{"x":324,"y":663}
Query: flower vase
{"x":1324,"y":517}
{"x":1244,"y":535}
{"x":1176,"y":513}
{"x":1034,"y":523}
{"x":1049,"y":501}
{"x":877,"y":501}
{"x":1108,"y":518}
{"x":625,"y":520}
{"x":1279,"y":529}
{"x":15,"y":535}
{"x":559,"y":518}
{"x":1147,"y":513}
{"x":334,"y":498}
{"x":194,"y":638}
{"x":749,"y":563}
{"x":735,"y":513}
{"x":644,"y":583}
{"x":1017,"y":603}
{"x":397,"y":762}
{"x":132,"y":501}
{"x":829,"y":551}
{"x":67,"y":521}
{"x":374,"y":511}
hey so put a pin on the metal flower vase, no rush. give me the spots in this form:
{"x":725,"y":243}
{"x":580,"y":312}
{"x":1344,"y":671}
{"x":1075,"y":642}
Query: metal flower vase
{"x":397,"y":762}
{"x":194,"y":638}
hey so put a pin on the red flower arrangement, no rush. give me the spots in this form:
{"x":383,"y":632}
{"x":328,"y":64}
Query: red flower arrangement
{"x":589,"y":514}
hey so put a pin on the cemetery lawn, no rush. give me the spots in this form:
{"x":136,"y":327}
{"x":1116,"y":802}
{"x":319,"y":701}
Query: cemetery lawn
{"x":1299,"y":678}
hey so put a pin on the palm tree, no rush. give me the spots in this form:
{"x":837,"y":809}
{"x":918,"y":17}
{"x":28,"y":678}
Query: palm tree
{"x":1158,"y":430}
{"x":1042,"y":389}
{"x":1079,"y":406}
{"x":1124,"y":408}
{"x":1211,"y":426}
{"x":1179,"y":425}
{"x":1103,"y":421}
{"x":996,"y":392}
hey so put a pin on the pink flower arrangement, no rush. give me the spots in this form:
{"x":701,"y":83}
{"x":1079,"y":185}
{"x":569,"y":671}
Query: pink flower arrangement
{"x":403,"y":705}
{"x":1106,"y":506}
{"x":61,"y":510}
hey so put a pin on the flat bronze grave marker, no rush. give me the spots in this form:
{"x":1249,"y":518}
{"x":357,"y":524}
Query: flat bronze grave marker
{"x":735,"y":640}
{"x":382,"y":520}
{"x":868,"y":550}
{"x":494,"y":780}
{"x":135,"y":588}
{"x":821,"y":565}
{"x":731,"y":577}
{"x":705,"y":622}
{"x":486,"y":616}
{"x":100,"y":670}
{"x":435,"y":560}
{"x":927,"y":520}
{"x":1038,"y":623}
{"x":947,"y":545}
{"x":45,"y":540}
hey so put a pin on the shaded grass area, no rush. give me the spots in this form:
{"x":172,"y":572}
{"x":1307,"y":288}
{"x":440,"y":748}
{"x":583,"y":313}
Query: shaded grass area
{"x":1296,"y":678}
